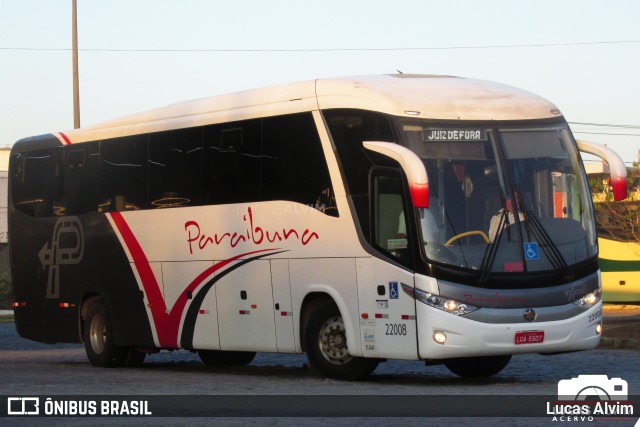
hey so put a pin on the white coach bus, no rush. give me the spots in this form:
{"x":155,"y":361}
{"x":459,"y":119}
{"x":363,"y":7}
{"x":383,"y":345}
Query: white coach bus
{"x":419,"y":217}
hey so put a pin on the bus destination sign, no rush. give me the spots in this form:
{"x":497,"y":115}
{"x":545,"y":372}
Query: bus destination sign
{"x":448,"y":135}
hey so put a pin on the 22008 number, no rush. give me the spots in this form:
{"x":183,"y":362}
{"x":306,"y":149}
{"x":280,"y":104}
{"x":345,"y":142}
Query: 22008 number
{"x":595,"y":316}
{"x":396,"y":329}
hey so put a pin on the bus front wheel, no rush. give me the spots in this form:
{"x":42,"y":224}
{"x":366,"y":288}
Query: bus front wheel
{"x":98,"y":338}
{"x":326,"y":345}
{"x":477,"y":367}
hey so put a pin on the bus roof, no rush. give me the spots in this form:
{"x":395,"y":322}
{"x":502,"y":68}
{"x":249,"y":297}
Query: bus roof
{"x":423,"y":96}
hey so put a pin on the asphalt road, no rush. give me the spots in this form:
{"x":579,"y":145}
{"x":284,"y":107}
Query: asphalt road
{"x":621,"y":326}
{"x":30,"y":368}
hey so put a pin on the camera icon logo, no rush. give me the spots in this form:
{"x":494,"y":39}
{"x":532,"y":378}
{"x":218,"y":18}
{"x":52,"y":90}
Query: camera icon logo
{"x":593,"y":388}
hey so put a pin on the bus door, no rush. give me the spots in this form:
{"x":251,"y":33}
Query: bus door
{"x":388,"y":321}
{"x":245,"y":308}
{"x":283,"y":309}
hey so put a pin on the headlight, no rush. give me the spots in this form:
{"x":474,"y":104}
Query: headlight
{"x":445,"y":304}
{"x":590,"y":299}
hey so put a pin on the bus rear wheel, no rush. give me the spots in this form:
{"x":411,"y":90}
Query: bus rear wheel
{"x":98,"y":338}
{"x":327,"y":348}
{"x":477,"y":367}
{"x":226,"y":358}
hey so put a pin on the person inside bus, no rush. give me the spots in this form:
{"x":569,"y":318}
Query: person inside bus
{"x":497,"y":217}
{"x":326,"y":202}
{"x":430,"y":230}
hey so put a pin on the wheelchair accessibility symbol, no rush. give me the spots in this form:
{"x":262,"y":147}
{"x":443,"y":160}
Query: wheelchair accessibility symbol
{"x":531,"y":251}
{"x":393,"y":290}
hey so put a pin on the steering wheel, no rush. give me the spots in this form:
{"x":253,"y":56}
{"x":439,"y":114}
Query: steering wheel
{"x":468,"y":233}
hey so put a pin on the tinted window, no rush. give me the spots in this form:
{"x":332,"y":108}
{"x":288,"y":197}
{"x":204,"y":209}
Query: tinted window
{"x":349,"y":129}
{"x":76,"y":179}
{"x":123,"y":173}
{"x":232,"y":160}
{"x":276,"y":158}
{"x":293,"y":163}
{"x":31,"y":174}
{"x":175,"y":168}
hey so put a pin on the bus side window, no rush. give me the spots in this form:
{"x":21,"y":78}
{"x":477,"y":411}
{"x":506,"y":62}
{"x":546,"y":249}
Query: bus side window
{"x":293,"y":163}
{"x":388,"y":216}
{"x":31,"y":189}
{"x":232,"y":160}
{"x":123,"y":173}
{"x":175,"y":168}
{"x":76,"y":180}
{"x":349,"y":128}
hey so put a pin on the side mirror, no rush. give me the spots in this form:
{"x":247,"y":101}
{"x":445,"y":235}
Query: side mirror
{"x":412,"y":166}
{"x":617,"y":169}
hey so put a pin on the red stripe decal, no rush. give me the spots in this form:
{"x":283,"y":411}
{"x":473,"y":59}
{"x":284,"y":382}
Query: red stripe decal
{"x":167,"y":325}
{"x":66,"y":139}
{"x":149,"y":282}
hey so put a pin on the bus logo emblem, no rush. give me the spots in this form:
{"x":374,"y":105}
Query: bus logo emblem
{"x":529,"y":315}
{"x":23,"y":406}
{"x":66,"y":247}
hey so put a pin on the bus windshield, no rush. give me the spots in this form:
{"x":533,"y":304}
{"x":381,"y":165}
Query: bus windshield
{"x":503,"y":200}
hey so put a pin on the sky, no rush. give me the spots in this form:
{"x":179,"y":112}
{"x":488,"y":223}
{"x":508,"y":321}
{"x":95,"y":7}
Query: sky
{"x":135,"y":55}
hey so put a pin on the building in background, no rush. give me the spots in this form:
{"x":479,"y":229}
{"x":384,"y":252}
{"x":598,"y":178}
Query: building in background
{"x":4,"y":191}
{"x":5,"y":294}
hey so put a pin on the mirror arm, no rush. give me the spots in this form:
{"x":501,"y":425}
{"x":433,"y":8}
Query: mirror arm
{"x":412,"y":166}
{"x":617,"y":168}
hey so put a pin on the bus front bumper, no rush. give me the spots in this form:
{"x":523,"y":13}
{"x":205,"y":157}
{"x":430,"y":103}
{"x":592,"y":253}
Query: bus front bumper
{"x":443,"y":335}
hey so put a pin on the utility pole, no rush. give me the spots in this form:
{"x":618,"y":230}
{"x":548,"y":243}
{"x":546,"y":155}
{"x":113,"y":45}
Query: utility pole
{"x":74,"y":42}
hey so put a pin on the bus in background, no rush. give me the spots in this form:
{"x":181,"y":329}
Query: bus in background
{"x":420,"y":217}
{"x":618,"y":226}
{"x":620,"y":268}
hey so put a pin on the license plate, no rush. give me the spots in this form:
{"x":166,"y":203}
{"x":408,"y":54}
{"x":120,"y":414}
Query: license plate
{"x":529,"y":337}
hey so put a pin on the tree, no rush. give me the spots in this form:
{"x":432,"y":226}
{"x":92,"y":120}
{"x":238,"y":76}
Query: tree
{"x":5,"y":290}
{"x":617,"y":220}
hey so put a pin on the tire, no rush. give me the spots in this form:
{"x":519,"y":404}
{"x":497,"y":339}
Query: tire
{"x":478,"y":367}
{"x":326,"y":345}
{"x":98,"y":338}
{"x":226,"y":358}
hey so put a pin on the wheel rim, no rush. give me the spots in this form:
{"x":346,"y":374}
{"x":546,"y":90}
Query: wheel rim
{"x":98,"y":333}
{"x":333,"y":341}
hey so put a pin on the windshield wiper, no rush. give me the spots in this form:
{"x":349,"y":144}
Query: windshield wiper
{"x":492,"y":249}
{"x":554,"y":255}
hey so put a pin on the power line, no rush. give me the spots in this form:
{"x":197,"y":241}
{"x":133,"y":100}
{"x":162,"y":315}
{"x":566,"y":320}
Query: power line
{"x":356,"y":49}
{"x":606,"y":133}
{"x":606,"y":125}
